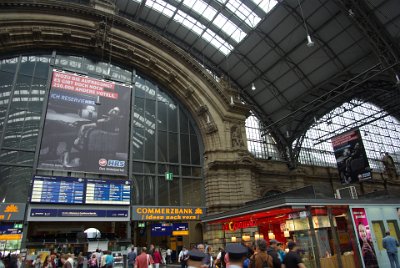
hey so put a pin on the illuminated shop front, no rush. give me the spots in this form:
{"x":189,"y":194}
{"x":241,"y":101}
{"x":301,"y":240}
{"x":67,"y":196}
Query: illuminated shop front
{"x":323,"y":229}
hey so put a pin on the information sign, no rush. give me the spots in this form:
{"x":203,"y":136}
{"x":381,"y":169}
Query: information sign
{"x":115,"y":192}
{"x":57,"y":190}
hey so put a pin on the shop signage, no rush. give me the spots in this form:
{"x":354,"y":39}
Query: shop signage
{"x":296,"y":215}
{"x":232,"y":226}
{"x":12,"y":211}
{"x":140,"y":213}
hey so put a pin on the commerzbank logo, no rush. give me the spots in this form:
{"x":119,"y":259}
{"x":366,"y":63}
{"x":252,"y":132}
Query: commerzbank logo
{"x":111,"y":163}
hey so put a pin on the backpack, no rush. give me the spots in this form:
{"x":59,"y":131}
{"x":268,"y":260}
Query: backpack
{"x":264,"y":263}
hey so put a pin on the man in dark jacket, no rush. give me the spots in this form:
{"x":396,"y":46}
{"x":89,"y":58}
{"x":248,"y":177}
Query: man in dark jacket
{"x":273,"y":252}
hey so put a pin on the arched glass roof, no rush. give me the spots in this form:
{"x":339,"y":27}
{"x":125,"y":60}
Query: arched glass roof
{"x":222,"y":25}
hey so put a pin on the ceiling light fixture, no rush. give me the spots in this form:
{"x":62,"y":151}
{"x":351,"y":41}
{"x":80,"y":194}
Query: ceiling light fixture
{"x":253,"y":87}
{"x":310,"y":42}
{"x":397,"y":79}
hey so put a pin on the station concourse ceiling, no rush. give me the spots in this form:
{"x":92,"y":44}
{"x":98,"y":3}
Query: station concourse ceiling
{"x":355,"y":52}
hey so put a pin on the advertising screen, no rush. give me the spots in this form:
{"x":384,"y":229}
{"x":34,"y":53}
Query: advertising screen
{"x":87,"y":125}
{"x":114,"y":192}
{"x":351,"y":159}
{"x":64,"y":190}
{"x":364,"y":237}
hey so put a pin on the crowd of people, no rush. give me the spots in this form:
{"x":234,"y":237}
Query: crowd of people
{"x":257,"y":255}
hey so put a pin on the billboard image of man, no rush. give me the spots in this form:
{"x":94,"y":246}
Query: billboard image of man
{"x":87,"y":125}
{"x":351,"y":158}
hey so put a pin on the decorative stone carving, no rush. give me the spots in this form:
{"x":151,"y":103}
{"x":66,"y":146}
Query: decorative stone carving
{"x":236,"y":137}
{"x":100,"y":35}
{"x":202,"y":110}
{"x":188,"y":92}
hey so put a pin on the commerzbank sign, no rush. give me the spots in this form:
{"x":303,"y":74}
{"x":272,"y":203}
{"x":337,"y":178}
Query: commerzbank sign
{"x":150,"y":213}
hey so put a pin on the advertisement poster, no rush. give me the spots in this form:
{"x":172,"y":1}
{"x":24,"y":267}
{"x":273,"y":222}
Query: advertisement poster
{"x":87,"y":125}
{"x":351,"y":159}
{"x":364,"y":237}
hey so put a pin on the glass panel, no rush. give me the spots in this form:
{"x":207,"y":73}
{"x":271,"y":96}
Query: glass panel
{"x":162,"y":116}
{"x":137,"y":167}
{"x":185,"y":149}
{"x":27,"y":66}
{"x":174,"y":197}
{"x":173,"y":148}
{"x":195,"y":152}
{"x":192,"y":192}
{"x":9,"y":65}
{"x":149,"y":168}
{"x":172,"y":118}
{"x":42,"y":67}
{"x":150,"y":152}
{"x":137,"y":140}
{"x":17,"y":157}
{"x":186,"y":171}
{"x":163,"y":192}
{"x":184,"y":123}
{"x":162,"y":146}
{"x":140,"y":87}
{"x":14,"y":184}
{"x":6,"y":81}
{"x":149,"y":189}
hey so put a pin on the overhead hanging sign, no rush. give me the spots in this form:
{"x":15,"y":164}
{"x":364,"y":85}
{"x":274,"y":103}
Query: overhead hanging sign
{"x":351,"y":158}
{"x":87,"y":125}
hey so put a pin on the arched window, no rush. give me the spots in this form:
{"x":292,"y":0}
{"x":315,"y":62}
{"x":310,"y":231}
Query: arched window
{"x":380,"y":133}
{"x":260,"y":145}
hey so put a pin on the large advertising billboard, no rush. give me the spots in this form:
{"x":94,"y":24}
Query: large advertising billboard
{"x":364,"y":237}
{"x":87,"y":125}
{"x":351,"y":159}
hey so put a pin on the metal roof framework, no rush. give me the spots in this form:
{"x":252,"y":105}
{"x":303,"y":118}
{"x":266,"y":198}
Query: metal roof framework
{"x":264,"y":43}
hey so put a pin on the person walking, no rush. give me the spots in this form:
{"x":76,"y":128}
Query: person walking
{"x":183,"y":257}
{"x":157,"y":257}
{"x":169,"y":252}
{"x":131,"y":258}
{"x":260,"y":258}
{"x":143,"y":260}
{"x":273,"y":252}
{"x":390,"y":244}
{"x":292,"y":259}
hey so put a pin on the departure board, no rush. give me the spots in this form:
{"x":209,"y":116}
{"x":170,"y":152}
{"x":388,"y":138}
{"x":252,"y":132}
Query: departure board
{"x":65,"y":190}
{"x":108,"y":192}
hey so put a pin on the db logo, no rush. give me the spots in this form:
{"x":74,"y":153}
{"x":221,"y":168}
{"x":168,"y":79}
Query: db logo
{"x":103,"y":162}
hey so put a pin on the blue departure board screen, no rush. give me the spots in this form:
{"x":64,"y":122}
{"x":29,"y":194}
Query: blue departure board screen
{"x":64,"y":190}
{"x":108,"y":192}
{"x":161,"y":229}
